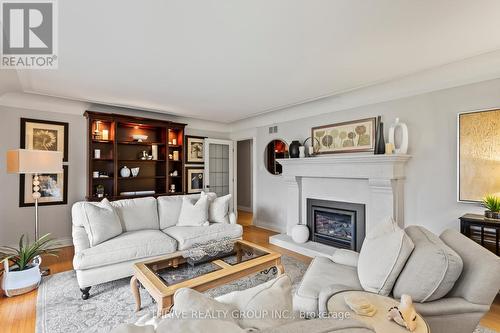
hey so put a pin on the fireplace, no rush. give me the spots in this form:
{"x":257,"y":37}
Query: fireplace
{"x":335,"y":223}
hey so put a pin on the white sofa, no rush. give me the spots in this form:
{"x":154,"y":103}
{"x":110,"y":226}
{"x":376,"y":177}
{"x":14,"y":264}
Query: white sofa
{"x":149,"y":230}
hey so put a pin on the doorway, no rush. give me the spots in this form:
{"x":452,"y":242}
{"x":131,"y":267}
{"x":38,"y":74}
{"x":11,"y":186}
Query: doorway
{"x":244,"y":181}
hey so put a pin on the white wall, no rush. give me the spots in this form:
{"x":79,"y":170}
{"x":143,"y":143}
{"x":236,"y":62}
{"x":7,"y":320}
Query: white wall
{"x":54,"y":219}
{"x":430,"y":190}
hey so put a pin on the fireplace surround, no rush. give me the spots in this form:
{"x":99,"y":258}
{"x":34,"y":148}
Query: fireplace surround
{"x":336,"y":223}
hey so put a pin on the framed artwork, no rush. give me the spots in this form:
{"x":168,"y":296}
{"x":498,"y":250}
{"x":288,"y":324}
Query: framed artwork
{"x":45,"y":135}
{"x":195,"y":180}
{"x":347,"y":137}
{"x":53,"y":189}
{"x":194,"y":149}
{"x":478,"y":162}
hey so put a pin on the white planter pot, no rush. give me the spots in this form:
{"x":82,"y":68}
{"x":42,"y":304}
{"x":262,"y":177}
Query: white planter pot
{"x":20,"y":282}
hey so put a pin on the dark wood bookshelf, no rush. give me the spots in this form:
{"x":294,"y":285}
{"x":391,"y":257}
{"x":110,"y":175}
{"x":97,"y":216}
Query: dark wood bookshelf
{"x":119,"y":149}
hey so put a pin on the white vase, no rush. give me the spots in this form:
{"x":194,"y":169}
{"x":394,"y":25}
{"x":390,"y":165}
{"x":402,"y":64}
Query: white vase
{"x":125,"y":172}
{"x":402,"y":148}
{"x":300,"y":233}
{"x":302,"y":152}
{"x":21,"y":282}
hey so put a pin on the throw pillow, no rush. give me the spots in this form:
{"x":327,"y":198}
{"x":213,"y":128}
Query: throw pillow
{"x":191,"y":304}
{"x":101,"y":222}
{"x":271,"y":301}
{"x":432,"y":263}
{"x":382,"y":257}
{"x":194,"y":214}
{"x":218,"y":208}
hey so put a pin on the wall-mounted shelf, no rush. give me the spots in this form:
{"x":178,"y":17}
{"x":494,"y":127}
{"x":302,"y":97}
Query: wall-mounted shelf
{"x":112,"y":135}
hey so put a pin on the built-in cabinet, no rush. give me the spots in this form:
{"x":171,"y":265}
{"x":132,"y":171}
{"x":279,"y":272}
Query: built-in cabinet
{"x":117,"y":143}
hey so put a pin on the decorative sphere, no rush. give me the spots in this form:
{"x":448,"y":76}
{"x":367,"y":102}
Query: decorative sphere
{"x":36,"y":195}
{"x":300,"y":233}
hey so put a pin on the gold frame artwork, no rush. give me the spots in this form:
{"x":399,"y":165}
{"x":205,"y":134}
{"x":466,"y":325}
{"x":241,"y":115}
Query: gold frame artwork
{"x":478,"y":152}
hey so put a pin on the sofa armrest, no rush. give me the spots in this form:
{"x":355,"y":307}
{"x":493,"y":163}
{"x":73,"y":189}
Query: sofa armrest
{"x":345,"y":257}
{"x":327,"y":292}
{"x":80,"y":239}
{"x":232,"y":218}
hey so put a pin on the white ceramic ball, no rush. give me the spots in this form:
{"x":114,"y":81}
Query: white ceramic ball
{"x":300,"y":233}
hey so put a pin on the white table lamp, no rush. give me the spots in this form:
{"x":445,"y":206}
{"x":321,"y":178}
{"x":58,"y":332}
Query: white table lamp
{"x":26,"y":161}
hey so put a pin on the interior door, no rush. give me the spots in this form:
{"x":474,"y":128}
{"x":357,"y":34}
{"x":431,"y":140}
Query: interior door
{"x":219,"y":177}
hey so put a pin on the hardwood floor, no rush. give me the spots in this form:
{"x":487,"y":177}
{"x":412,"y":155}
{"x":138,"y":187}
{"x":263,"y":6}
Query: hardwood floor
{"x":18,"y":313}
{"x":245,"y":218}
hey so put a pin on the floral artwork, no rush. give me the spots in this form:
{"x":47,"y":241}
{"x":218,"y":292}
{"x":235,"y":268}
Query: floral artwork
{"x":478,"y":155}
{"x":352,"y":136}
{"x":44,"y":139}
{"x":194,"y":150}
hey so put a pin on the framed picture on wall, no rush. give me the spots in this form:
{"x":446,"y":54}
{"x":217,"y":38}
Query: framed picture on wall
{"x":194,"y":149}
{"x":478,"y":155}
{"x":195,"y":179}
{"x":45,"y":135}
{"x":347,"y":137}
{"x":53,"y":189}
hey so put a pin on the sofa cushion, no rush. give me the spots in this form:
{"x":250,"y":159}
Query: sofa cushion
{"x":432,"y":269}
{"x":272,"y":297}
{"x":218,"y":207}
{"x":321,"y":325}
{"x":137,"y":214}
{"x":322,"y":272}
{"x":382,"y":257}
{"x":169,"y":208}
{"x":186,"y":237}
{"x":194,"y":213}
{"x":101,"y":222}
{"x":128,"y":246}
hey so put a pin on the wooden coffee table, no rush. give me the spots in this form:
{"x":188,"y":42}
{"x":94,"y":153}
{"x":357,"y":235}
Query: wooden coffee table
{"x":162,"y":276}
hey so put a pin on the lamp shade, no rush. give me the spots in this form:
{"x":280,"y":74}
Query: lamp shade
{"x":34,"y":161}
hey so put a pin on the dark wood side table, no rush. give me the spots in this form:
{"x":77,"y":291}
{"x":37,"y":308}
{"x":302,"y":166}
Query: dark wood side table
{"x":482,"y":230}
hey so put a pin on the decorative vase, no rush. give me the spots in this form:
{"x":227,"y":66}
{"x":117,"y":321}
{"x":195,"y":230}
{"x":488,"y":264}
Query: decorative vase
{"x":294,"y":149}
{"x":300,"y":233}
{"x":20,"y":282}
{"x":302,"y":151}
{"x":402,"y":148}
{"x":135,"y":171}
{"x":379,"y":140}
{"x":125,"y":172}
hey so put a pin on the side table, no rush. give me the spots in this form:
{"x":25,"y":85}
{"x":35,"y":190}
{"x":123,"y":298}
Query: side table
{"x":482,"y":230}
{"x":379,"y":321}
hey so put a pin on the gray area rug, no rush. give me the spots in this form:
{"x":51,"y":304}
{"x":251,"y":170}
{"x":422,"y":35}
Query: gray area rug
{"x":60,"y":308}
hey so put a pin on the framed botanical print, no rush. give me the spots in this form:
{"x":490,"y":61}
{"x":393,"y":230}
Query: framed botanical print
{"x":45,"y":135}
{"x":194,"y":149}
{"x":195,"y":180}
{"x":53,"y":189}
{"x":478,"y":155}
{"x":347,"y":137}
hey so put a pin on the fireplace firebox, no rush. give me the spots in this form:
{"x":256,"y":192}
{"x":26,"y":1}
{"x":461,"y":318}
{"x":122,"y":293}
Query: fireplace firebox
{"x":335,"y":223}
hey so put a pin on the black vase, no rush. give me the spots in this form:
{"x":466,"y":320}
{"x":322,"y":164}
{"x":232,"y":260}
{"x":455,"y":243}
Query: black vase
{"x":294,"y":149}
{"x":379,"y":139}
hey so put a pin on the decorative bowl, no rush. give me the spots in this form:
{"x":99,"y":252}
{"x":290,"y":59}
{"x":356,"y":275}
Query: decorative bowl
{"x":139,"y":137}
{"x":135,"y":171}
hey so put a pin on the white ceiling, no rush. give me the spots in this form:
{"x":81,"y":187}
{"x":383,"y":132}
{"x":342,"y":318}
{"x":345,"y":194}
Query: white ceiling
{"x":226,"y":60}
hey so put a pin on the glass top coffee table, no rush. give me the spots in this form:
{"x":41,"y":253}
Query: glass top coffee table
{"x":162,"y":276}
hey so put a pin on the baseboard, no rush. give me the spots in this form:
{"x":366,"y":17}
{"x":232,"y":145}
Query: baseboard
{"x":269,"y":226}
{"x":245,"y":209}
{"x":63,"y":242}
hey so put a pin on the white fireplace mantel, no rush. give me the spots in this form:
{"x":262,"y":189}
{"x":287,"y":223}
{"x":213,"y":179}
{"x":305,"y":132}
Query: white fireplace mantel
{"x":383,"y":175}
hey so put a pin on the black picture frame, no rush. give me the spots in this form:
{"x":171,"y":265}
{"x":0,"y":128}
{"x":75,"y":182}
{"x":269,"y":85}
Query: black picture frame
{"x":23,"y":186}
{"x":198,"y":169}
{"x":187,"y":148}
{"x":65,"y":127}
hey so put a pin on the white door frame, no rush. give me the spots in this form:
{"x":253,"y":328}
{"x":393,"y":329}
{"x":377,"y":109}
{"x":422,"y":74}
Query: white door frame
{"x":206,"y":157}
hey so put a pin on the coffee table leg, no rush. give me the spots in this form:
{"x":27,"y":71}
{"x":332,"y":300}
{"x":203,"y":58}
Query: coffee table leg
{"x":134,"y":286}
{"x":279,"y":266}
{"x":164,"y":306}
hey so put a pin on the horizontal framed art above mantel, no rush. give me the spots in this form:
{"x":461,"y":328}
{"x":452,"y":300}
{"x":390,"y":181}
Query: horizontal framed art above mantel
{"x":346,"y":137}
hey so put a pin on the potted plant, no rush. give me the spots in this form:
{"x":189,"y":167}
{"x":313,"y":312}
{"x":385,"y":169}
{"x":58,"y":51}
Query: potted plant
{"x":492,"y":204}
{"x":23,"y":275}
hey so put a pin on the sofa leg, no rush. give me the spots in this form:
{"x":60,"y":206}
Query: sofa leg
{"x":85,"y":293}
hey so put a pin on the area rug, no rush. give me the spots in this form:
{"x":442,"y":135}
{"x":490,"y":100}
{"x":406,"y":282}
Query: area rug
{"x":60,"y":308}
